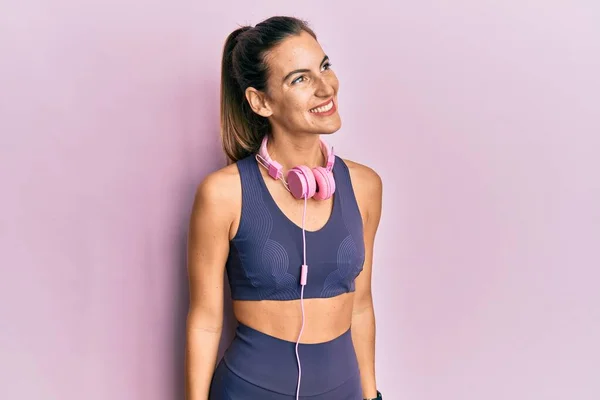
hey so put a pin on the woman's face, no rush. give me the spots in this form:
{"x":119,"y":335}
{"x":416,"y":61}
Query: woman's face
{"x":302,"y":88}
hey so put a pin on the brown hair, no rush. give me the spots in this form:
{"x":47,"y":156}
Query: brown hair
{"x":244,"y":65}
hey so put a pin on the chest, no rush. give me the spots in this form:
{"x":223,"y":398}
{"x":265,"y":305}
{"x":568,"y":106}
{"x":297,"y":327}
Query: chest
{"x":314,"y":218}
{"x":271,"y":259}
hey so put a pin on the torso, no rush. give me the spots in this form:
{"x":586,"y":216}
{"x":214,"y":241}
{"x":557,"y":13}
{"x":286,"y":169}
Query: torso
{"x":325,"y":318}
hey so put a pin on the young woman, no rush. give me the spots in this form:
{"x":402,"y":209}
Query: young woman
{"x":293,"y":225}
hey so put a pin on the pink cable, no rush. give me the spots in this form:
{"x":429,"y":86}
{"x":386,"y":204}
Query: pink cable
{"x":302,"y":283}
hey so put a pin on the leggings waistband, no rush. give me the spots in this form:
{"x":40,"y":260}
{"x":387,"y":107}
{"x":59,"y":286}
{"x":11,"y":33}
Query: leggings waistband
{"x":270,"y":363}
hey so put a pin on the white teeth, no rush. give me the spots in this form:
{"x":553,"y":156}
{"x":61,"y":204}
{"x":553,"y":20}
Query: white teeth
{"x":324,"y":108}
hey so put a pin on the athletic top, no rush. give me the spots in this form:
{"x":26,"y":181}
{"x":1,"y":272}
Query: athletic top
{"x":266,"y":254}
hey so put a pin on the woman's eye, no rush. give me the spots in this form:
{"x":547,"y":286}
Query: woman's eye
{"x":297,"y":79}
{"x":301,"y":78}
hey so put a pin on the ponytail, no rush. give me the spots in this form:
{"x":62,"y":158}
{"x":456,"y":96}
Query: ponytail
{"x":238,"y":133}
{"x":243,"y":66}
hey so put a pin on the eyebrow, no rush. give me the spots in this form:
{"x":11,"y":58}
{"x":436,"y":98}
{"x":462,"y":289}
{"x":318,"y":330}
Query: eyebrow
{"x":326,"y":58}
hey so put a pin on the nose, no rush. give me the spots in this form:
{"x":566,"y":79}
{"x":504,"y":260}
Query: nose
{"x":325,"y":88}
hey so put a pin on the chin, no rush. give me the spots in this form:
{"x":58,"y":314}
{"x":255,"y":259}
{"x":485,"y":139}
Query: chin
{"x":329,"y":131}
{"x":328,"y":125}
{"x":333,"y":127}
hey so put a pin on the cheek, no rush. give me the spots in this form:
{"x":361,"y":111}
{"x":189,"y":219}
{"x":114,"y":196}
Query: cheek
{"x":293,"y":108}
{"x":334,"y":82}
{"x":301,"y":101}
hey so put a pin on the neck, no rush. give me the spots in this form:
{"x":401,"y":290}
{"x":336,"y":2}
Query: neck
{"x":293,"y":151}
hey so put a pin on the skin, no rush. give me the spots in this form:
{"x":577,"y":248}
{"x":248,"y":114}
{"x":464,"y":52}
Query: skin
{"x":217,"y":211}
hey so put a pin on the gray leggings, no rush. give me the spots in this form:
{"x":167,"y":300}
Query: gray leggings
{"x":257,"y":366}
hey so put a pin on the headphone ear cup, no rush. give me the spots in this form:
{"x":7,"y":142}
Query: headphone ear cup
{"x":325,"y":183}
{"x":302,"y":182}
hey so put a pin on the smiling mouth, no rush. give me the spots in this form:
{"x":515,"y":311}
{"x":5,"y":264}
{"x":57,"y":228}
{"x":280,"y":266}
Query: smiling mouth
{"x":322,"y":109}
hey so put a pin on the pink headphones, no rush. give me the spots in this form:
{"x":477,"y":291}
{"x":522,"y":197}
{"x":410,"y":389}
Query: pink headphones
{"x":302,"y":181}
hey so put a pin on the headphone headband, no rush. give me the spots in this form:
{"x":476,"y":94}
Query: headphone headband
{"x":275,"y":169}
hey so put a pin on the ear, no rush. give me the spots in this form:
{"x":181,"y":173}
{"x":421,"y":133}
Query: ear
{"x":258,"y":102}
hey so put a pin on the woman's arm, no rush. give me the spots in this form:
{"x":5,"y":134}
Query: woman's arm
{"x":208,"y":245}
{"x":363,"y":314}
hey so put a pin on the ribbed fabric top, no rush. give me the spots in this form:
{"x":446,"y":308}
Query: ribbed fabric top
{"x":266,"y":254}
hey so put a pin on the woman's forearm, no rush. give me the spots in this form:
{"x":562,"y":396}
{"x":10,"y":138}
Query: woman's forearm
{"x":202,"y":346}
{"x":363,"y":338}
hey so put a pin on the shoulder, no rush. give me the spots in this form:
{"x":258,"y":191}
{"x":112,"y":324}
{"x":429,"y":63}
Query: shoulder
{"x":219,"y":193}
{"x":368,"y":188}
{"x":363,"y":177}
{"x":219,"y":185}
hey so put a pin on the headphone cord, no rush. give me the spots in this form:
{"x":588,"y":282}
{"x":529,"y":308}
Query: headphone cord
{"x":303,"y":277}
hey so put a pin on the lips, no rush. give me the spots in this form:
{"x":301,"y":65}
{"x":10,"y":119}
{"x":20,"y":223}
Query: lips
{"x":323,"y":108}
{"x":322,"y":104}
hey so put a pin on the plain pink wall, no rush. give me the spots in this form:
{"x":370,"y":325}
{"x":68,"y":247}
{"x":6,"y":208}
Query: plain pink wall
{"x":481,"y":117}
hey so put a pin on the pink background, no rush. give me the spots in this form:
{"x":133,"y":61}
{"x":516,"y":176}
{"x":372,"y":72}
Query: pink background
{"x":481,"y":117}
